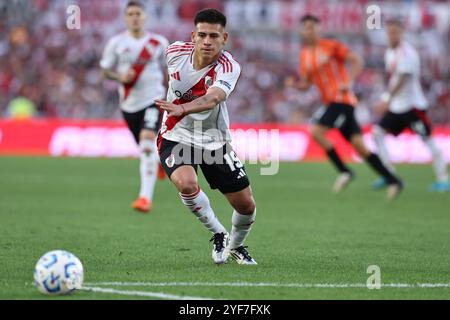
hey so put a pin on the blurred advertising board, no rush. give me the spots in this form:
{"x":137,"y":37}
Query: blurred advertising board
{"x":252,"y":142}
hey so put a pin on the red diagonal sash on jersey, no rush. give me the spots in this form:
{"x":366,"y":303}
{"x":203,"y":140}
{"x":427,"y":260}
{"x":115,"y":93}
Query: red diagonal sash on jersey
{"x":139,"y":65}
{"x":198,"y":90}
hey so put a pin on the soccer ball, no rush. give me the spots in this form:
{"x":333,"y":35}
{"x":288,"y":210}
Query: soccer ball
{"x":58,"y":272}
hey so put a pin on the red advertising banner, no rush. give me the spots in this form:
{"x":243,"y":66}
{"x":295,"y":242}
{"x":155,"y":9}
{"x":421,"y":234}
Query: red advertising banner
{"x":252,"y":142}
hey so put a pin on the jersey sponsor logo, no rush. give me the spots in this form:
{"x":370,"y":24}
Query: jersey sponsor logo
{"x":198,"y":90}
{"x":187,"y":96}
{"x":170,"y":160}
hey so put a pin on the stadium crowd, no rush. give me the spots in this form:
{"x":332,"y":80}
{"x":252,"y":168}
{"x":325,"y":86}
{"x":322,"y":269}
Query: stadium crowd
{"x":55,"y":69}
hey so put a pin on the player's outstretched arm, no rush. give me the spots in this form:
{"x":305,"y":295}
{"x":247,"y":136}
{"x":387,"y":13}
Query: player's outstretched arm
{"x":122,"y":78}
{"x":397,"y":87}
{"x":212,"y":98}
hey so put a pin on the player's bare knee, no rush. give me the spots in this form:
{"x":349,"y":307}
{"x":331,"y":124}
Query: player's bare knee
{"x":186,"y":186}
{"x":246,"y":207}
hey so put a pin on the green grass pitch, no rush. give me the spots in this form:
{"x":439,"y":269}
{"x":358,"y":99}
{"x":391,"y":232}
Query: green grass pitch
{"x":303,"y":234}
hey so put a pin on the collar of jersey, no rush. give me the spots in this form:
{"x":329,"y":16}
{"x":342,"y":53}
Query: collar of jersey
{"x":208,"y":66}
{"x":146,"y":34}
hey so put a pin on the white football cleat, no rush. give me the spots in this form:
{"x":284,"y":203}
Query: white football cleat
{"x":220,"y":242}
{"x":241,"y":255}
{"x":342,"y":181}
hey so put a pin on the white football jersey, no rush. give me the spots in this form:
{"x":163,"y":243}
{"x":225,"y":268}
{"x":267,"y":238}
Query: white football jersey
{"x":405,"y":60}
{"x":208,"y":129}
{"x":122,"y":52}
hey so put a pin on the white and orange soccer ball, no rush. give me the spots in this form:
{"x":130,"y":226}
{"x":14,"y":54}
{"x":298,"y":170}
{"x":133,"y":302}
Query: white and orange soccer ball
{"x":58,"y":272}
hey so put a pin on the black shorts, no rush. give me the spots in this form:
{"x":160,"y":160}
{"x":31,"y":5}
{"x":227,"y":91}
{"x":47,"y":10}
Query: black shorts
{"x":222,"y":168}
{"x":340,"y":116}
{"x":416,"y":120}
{"x":147,"y":118}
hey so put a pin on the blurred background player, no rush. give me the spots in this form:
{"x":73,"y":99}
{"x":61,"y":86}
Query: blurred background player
{"x":404,"y":104}
{"x":196,"y":125}
{"x":134,"y":58}
{"x":322,"y":63}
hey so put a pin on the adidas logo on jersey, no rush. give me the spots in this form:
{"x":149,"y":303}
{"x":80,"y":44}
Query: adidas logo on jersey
{"x":176,"y":76}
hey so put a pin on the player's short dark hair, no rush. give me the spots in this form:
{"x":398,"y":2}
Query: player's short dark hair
{"x":396,"y":21}
{"x":212,"y":16}
{"x":134,"y":3}
{"x":310,"y":17}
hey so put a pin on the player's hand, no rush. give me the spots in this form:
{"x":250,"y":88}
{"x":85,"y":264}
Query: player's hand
{"x":128,"y":77}
{"x":173,"y":110}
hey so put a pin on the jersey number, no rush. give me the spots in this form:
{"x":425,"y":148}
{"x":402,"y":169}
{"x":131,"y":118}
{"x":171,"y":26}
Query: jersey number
{"x":151,"y":117}
{"x":233,"y":161}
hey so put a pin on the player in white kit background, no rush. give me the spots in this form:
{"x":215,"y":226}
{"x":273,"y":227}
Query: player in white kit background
{"x":195,"y":130}
{"x":405,"y":104}
{"x":135,"y":58}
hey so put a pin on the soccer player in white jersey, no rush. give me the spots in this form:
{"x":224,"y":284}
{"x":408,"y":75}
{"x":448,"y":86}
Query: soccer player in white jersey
{"x":135,"y":58}
{"x":405,"y":105}
{"x":195,"y":132}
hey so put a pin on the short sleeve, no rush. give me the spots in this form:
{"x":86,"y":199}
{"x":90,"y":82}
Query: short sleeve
{"x":109,"y":57}
{"x":341,"y":51}
{"x":177,"y":49}
{"x":227,"y":76}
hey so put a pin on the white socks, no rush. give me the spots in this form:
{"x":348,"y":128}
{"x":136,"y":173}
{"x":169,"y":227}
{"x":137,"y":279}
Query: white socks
{"x":198,"y":204}
{"x":439,"y":166}
{"x":241,"y":227}
{"x":148,"y":167}
{"x":378,"y":136}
